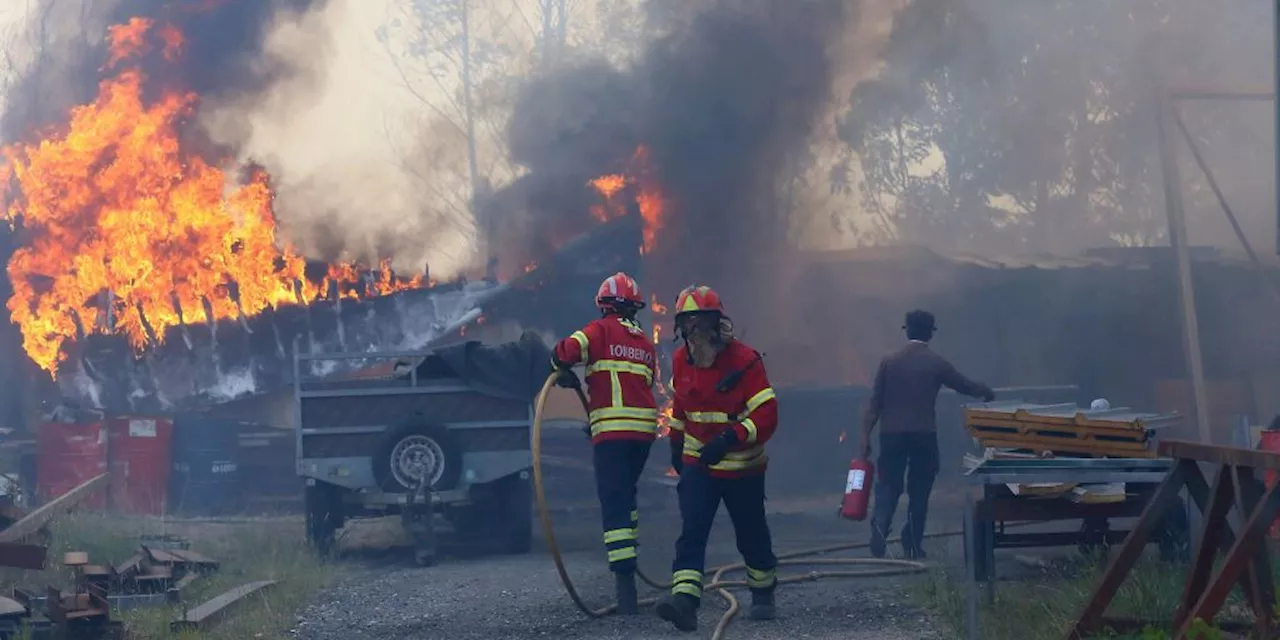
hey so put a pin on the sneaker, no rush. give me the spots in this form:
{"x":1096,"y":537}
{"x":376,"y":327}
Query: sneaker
{"x":680,"y":610}
{"x":762,"y":607}
{"x":914,"y":553}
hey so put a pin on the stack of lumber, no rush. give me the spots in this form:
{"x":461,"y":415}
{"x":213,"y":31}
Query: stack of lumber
{"x":1065,"y":428}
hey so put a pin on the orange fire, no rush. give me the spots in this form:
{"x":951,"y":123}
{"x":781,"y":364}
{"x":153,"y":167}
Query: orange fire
{"x":672,"y":473}
{"x":123,"y":231}
{"x":649,"y":197}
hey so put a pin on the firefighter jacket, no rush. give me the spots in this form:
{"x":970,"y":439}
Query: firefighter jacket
{"x":620,"y":369}
{"x":701,"y":412}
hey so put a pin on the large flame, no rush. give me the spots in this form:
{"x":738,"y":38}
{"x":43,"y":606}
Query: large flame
{"x":648,"y":197}
{"x":122,"y":230}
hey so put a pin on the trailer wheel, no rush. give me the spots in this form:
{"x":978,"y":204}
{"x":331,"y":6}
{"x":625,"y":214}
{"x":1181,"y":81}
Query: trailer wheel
{"x":323,"y":503}
{"x":515,"y":509}
{"x":501,"y":519}
{"x":413,"y":452}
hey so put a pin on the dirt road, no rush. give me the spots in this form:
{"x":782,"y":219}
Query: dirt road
{"x":520,"y":597}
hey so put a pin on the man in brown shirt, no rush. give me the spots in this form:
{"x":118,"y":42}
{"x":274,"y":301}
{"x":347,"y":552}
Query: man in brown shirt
{"x":902,"y":402}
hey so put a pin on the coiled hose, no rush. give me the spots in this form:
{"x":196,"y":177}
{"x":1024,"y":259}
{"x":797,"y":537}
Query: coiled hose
{"x":875,"y":566}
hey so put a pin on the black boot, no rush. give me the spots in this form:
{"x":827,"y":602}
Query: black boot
{"x":625,"y":587}
{"x":680,"y":610}
{"x":762,"y":607}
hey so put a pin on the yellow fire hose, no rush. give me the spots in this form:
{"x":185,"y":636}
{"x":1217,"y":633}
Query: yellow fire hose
{"x":879,"y":566}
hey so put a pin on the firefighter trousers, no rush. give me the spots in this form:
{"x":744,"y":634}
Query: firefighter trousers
{"x":915,"y":456}
{"x":700,"y":496}
{"x":618,"y":464}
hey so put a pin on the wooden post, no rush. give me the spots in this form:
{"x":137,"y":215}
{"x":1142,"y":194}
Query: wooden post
{"x":1186,"y":290}
{"x":1246,"y":562}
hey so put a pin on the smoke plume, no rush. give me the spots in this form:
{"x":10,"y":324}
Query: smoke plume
{"x":724,"y":103}
{"x":222,"y":55}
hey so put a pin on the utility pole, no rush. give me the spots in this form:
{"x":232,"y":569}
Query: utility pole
{"x":468,"y":114}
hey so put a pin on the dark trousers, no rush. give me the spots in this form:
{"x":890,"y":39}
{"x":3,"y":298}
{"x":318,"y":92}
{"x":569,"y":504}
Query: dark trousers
{"x":619,"y":464}
{"x":700,"y":496}
{"x":915,"y":456}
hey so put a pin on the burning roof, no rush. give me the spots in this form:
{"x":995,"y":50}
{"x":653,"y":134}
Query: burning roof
{"x":200,"y":365}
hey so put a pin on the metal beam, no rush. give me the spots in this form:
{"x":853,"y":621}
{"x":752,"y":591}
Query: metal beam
{"x":207,"y":613}
{"x":40,"y":517}
{"x":1186,"y":290}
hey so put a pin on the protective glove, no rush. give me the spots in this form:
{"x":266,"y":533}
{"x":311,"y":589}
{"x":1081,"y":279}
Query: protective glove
{"x":567,"y":379}
{"x":677,"y":453}
{"x":713,"y":452}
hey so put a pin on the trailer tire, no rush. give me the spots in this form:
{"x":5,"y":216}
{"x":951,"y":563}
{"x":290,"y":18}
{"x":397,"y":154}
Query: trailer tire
{"x":515,"y":510}
{"x":412,"y":450}
{"x":324,"y":516}
{"x":500,"y":518}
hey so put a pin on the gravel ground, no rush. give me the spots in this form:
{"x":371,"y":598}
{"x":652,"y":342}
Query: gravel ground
{"x":520,"y":597}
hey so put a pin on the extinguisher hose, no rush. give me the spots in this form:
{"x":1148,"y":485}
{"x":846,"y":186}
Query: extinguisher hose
{"x":869,"y":566}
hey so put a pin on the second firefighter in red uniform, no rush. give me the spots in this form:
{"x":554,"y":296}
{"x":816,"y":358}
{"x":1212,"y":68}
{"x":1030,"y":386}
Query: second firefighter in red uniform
{"x":724,"y":411}
{"x":619,"y":361}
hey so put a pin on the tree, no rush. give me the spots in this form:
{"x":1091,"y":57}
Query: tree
{"x":1030,"y":126}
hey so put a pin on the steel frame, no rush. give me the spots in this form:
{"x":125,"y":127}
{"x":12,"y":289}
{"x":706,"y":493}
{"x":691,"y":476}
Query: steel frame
{"x":1169,"y":112}
{"x":1246,"y":563}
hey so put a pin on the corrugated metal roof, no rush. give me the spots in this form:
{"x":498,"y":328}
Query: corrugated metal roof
{"x":1103,"y":257}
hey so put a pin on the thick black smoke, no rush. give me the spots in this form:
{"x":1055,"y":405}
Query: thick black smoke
{"x":222,"y":58}
{"x":723,"y":103}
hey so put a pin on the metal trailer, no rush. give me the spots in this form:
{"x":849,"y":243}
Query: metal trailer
{"x":402,"y":436}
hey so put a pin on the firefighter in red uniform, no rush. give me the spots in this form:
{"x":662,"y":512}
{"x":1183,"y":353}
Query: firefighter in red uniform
{"x":619,"y":359}
{"x":723,"y":413}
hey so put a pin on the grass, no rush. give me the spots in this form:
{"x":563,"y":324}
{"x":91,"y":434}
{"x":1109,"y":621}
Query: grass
{"x":1045,"y":604}
{"x":248,"y":551}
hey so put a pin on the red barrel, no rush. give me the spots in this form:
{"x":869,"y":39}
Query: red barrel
{"x":67,"y":456}
{"x":1270,"y":442}
{"x":139,"y":451}
{"x":857,"y":490}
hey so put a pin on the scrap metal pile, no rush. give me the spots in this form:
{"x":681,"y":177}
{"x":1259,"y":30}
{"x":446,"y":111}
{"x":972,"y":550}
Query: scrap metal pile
{"x":156,"y":575}
{"x":1065,"y":429}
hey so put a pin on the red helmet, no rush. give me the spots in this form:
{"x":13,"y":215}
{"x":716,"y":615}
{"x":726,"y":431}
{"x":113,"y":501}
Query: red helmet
{"x":698,"y":298}
{"x":619,"y":289}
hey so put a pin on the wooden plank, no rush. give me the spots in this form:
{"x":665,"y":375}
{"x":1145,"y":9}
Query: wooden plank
{"x":1238,"y":559}
{"x":1069,"y":446}
{"x":1090,"y":619}
{"x":1219,"y":455}
{"x":35,"y":520}
{"x":987,"y":436}
{"x":1030,"y":427}
{"x":208,"y":612}
{"x":1220,"y":496}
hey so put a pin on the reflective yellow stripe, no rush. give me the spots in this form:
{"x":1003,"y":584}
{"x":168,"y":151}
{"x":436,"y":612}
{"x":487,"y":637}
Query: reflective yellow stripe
{"x":635,"y":516}
{"x":706,"y":417}
{"x":615,"y":390}
{"x":759,"y":399}
{"x":619,"y":535}
{"x":750,"y":426}
{"x":611,"y":426}
{"x":621,"y":366}
{"x":687,"y":589}
{"x":687,"y":575}
{"x":733,"y":461}
{"x":583,"y":342}
{"x":625,"y":553}
{"x":677,"y":425}
{"x":760,"y":577}
{"x":633,"y":413}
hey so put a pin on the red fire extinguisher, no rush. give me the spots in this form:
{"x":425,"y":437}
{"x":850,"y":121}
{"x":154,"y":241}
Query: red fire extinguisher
{"x":857,"y":490}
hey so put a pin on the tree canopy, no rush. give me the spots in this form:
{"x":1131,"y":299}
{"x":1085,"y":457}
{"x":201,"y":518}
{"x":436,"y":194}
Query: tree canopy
{"x":1030,"y":126}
